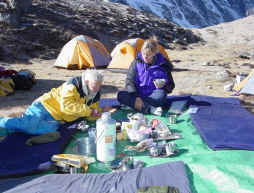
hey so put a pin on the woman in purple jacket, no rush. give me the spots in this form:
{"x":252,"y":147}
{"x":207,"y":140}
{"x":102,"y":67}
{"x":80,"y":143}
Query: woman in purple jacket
{"x":148,"y":81}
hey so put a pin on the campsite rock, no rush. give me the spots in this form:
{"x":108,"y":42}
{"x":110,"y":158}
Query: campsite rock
{"x":248,"y":65}
{"x":7,"y":16}
{"x":245,"y":55}
{"x":223,"y":75}
{"x":209,"y":63}
{"x":12,"y":10}
{"x":217,"y":63}
{"x":20,"y":5}
{"x":225,"y":64}
{"x":49,"y":25}
{"x":205,"y":64}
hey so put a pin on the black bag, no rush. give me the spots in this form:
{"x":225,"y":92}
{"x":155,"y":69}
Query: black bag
{"x":24,"y":80}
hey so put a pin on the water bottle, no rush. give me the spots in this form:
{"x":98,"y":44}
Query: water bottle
{"x":106,"y":138}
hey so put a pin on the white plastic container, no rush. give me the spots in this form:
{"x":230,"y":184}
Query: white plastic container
{"x":106,"y":138}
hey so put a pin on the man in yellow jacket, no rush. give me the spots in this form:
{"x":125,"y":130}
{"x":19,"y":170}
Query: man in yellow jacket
{"x":76,"y":98}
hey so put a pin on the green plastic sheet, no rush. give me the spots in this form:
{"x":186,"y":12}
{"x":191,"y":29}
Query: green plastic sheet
{"x":224,"y":171}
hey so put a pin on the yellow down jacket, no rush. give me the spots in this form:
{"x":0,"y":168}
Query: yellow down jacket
{"x":68,"y":102}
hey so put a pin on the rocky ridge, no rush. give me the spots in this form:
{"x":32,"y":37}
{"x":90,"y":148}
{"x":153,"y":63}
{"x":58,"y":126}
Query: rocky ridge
{"x":193,"y":13}
{"x":48,"y":25}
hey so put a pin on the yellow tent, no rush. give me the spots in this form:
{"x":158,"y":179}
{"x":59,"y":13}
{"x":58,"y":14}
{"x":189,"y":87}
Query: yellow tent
{"x":125,"y":52}
{"x":246,"y":85}
{"x":83,"y":52}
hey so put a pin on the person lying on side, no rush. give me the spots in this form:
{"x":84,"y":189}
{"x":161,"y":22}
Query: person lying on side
{"x":76,"y":98}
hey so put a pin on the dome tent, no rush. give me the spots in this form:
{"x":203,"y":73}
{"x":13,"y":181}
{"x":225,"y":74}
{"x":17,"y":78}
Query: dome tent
{"x":246,"y":85}
{"x":83,"y":52}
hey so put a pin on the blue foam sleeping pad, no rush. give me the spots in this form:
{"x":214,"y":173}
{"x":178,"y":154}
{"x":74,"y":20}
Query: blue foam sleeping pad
{"x":224,"y":124}
{"x":18,"y":159}
{"x":168,"y":174}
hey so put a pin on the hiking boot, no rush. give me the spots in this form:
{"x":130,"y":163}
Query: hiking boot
{"x":156,"y":110}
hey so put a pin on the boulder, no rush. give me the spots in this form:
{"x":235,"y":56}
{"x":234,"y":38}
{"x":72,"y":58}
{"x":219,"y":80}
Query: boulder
{"x":12,"y":10}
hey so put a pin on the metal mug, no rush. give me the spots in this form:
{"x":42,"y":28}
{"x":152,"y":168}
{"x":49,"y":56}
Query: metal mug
{"x":170,"y":148}
{"x":172,"y":119}
{"x":154,"y":151}
{"x":127,"y":163}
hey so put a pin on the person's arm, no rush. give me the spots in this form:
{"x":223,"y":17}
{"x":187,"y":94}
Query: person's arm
{"x":130,"y":79}
{"x":170,"y":83}
{"x":131,"y":85}
{"x":71,"y":103}
{"x":96,"y":111}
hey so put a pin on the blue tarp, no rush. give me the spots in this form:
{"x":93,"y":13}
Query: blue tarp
{"x":19,"y":159}
{"x":169,"y":174}
{"x":224,"y":124}
{"x":7,"y":184}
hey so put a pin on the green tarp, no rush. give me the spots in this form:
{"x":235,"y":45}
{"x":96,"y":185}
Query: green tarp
{"x":224,"y":171}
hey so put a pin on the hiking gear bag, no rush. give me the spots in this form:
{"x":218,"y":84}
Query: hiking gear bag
{"x":24,"y":79}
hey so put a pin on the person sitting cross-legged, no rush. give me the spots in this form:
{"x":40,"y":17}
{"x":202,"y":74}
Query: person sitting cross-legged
{"x":148,"y":81}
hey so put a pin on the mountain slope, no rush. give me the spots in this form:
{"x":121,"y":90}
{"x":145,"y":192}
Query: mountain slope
{"x":239,"y":32}
{"x":193,"y":13}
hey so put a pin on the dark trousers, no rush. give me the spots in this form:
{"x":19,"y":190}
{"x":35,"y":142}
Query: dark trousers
{"x":156,"y":99}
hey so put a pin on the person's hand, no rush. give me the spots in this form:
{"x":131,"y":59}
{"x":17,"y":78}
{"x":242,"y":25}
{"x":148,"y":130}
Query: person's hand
{"x":159,"y":83}
{"x":107,"y":108}
{"x":139,"y":104}
{"x":95,"y":113}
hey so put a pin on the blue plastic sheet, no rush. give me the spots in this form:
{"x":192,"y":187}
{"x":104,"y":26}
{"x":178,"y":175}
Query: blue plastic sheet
{"x":224,"y":124}
{"x":169,"y":174}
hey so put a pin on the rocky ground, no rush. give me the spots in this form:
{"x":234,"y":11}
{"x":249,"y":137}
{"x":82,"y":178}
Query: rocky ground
{"x":200,"y":68}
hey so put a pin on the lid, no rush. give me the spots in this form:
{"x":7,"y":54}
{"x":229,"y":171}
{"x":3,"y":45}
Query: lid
{"x":106,"y":116}
{"x":105,"y":119}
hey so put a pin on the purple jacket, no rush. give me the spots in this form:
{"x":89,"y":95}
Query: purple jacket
{"x":141,"y":76}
